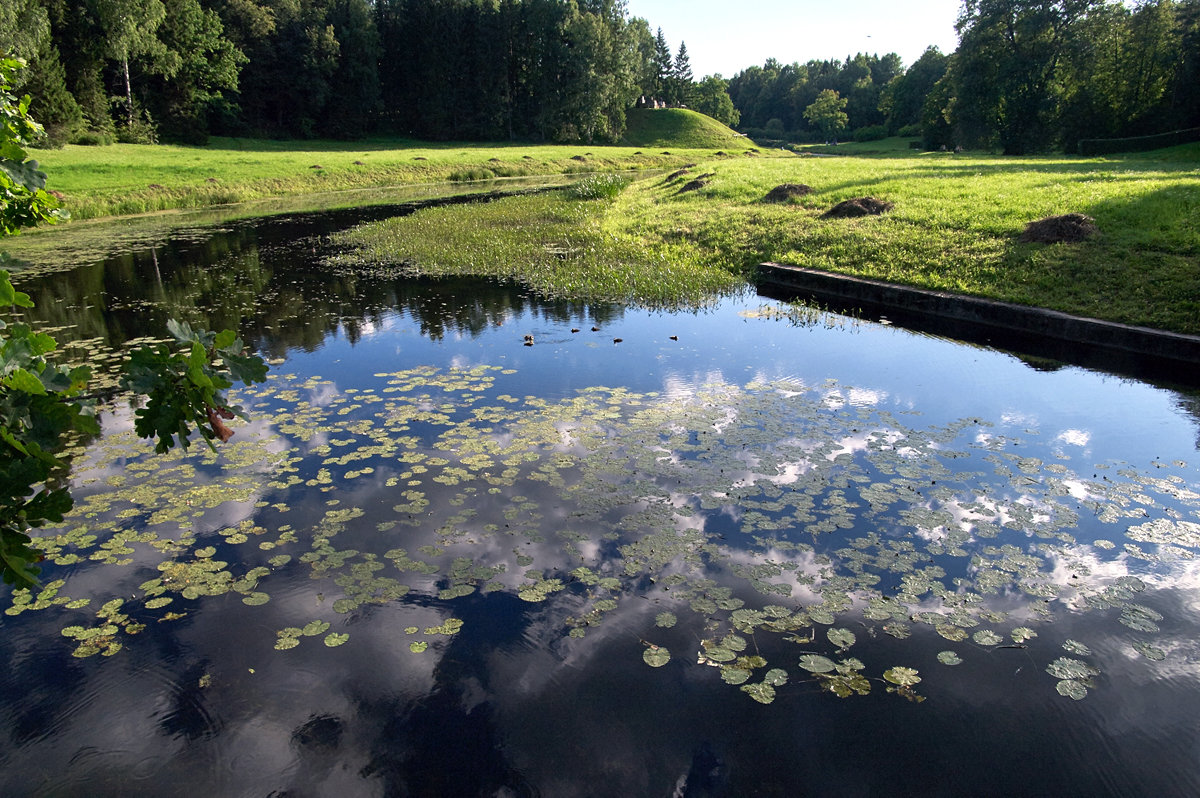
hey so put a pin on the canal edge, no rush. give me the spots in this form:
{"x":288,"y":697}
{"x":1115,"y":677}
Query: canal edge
{"x":980,"y":314}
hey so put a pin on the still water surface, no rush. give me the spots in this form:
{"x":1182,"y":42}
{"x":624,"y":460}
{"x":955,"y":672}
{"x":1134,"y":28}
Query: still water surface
{"x":742,"y":551}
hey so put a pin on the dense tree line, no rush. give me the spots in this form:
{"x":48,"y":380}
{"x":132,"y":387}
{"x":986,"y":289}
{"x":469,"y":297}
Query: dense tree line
{"x":1028,"y":75}
{"x":772,"y":99}
{"x":1031,"y":74}
{"x":561,"y":70}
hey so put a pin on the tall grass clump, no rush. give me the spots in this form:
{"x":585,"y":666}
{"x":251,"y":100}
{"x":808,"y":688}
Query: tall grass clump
{"x":472,"y":173}
{"x":598,"y":187}
{"x":553,"y":244}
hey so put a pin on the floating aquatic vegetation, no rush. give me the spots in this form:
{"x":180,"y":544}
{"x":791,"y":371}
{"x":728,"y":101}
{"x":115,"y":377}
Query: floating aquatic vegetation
{"x":1149,"y":652}
{"x":987,"y":637}
{"x":841,"y":638}
{"x":1072,"y":689}
{"x":1075,"y":647}
{"x":656,"y":656}
{"x":747,"y":512}
{"x":815,"y":663}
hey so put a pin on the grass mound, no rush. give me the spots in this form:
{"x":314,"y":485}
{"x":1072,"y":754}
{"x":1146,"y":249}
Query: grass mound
{"x":787,"y":192}
{"x":1068,"y":228}
{"x":859,"y":206}
{"x":697,"y":184}
{"x":679,"y":127}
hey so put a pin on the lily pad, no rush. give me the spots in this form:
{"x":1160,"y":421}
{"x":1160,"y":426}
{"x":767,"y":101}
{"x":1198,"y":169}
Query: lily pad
{"x":1075,"y":647}
{"x":842,"y":638}
{"x":1067,"y":668}
{"x":776,"y":677}
{"x":656,"y":656}
{"x":1021,"y":634}
{"x":949,"y":658}
{"x":334,"y":639}
{"x":665,"y":620}
{"x":905,"y":677}
{"x":954,"y":634}
{"x":733,"y":675}
{"x":815,"y":663}
{"x":1071,"y":689}
{"x":987,"y":637}
{"x":1150,"y":652}
{"x":761,"y":692}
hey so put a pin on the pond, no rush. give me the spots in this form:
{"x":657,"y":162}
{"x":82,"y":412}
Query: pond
{"x":476,"y":543}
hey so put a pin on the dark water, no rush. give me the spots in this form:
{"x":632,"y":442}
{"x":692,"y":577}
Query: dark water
{"x":439,"y":562}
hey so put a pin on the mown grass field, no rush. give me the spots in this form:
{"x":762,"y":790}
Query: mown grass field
{"x":954,"y":226}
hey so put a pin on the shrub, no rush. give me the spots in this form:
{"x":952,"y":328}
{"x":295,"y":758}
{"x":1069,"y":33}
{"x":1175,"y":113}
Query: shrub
{"x":93,"y":138}
{"x":142,"y":131}
{"x":870,"y":133}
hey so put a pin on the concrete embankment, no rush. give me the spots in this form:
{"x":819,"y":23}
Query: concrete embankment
{"x":1103,"y":345}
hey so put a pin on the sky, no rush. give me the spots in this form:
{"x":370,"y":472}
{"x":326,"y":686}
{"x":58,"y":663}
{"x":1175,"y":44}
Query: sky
{"x":727,"y":36}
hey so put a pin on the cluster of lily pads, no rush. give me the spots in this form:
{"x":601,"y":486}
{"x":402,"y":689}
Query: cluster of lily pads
{"x":771,"y":509}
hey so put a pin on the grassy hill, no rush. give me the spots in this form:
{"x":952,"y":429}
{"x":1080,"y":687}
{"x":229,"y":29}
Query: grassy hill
{"x":679,"y":127}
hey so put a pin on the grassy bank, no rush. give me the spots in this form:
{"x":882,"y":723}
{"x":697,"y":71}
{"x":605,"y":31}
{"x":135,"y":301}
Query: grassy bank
{"x":125,"y":179}
{"x":954,"y":226}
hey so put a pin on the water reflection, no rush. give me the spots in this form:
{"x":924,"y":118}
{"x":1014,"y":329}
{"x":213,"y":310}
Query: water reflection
{"x":752,"y":479}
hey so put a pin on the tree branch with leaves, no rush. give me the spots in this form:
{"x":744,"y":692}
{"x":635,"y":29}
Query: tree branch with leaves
{"x":42,"y":404}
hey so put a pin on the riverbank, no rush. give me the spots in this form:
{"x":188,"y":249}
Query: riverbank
{"x":126,"y":179}
{"x":954,"y":223}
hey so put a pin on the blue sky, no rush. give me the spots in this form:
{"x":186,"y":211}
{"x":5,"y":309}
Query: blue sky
{"x":727,"y":36}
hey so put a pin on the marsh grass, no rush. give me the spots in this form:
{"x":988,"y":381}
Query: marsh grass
{"x":554,"y":244}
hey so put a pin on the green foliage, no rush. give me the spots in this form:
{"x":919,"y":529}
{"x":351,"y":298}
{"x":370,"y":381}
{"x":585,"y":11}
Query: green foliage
{"x":23,"y":198}
{"x":41,"y":409}
{"x":1009,"y":66}
{"x":828,"y":113}
{"x":186,"y":386}
{"x":871,"y":133}
{"x":711,"y":97}
{"x":782,"y":91}
{"x":37,"y":412}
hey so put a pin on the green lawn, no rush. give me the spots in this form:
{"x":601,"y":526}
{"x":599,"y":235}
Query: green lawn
{"x":954,"y":226}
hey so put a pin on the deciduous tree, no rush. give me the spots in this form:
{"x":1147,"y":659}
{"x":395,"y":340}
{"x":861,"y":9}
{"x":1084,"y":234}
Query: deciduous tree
{"x":828,"y":114}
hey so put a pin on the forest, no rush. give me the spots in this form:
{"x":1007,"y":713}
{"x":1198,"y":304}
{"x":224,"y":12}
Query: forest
{"x":1027,"y":76}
